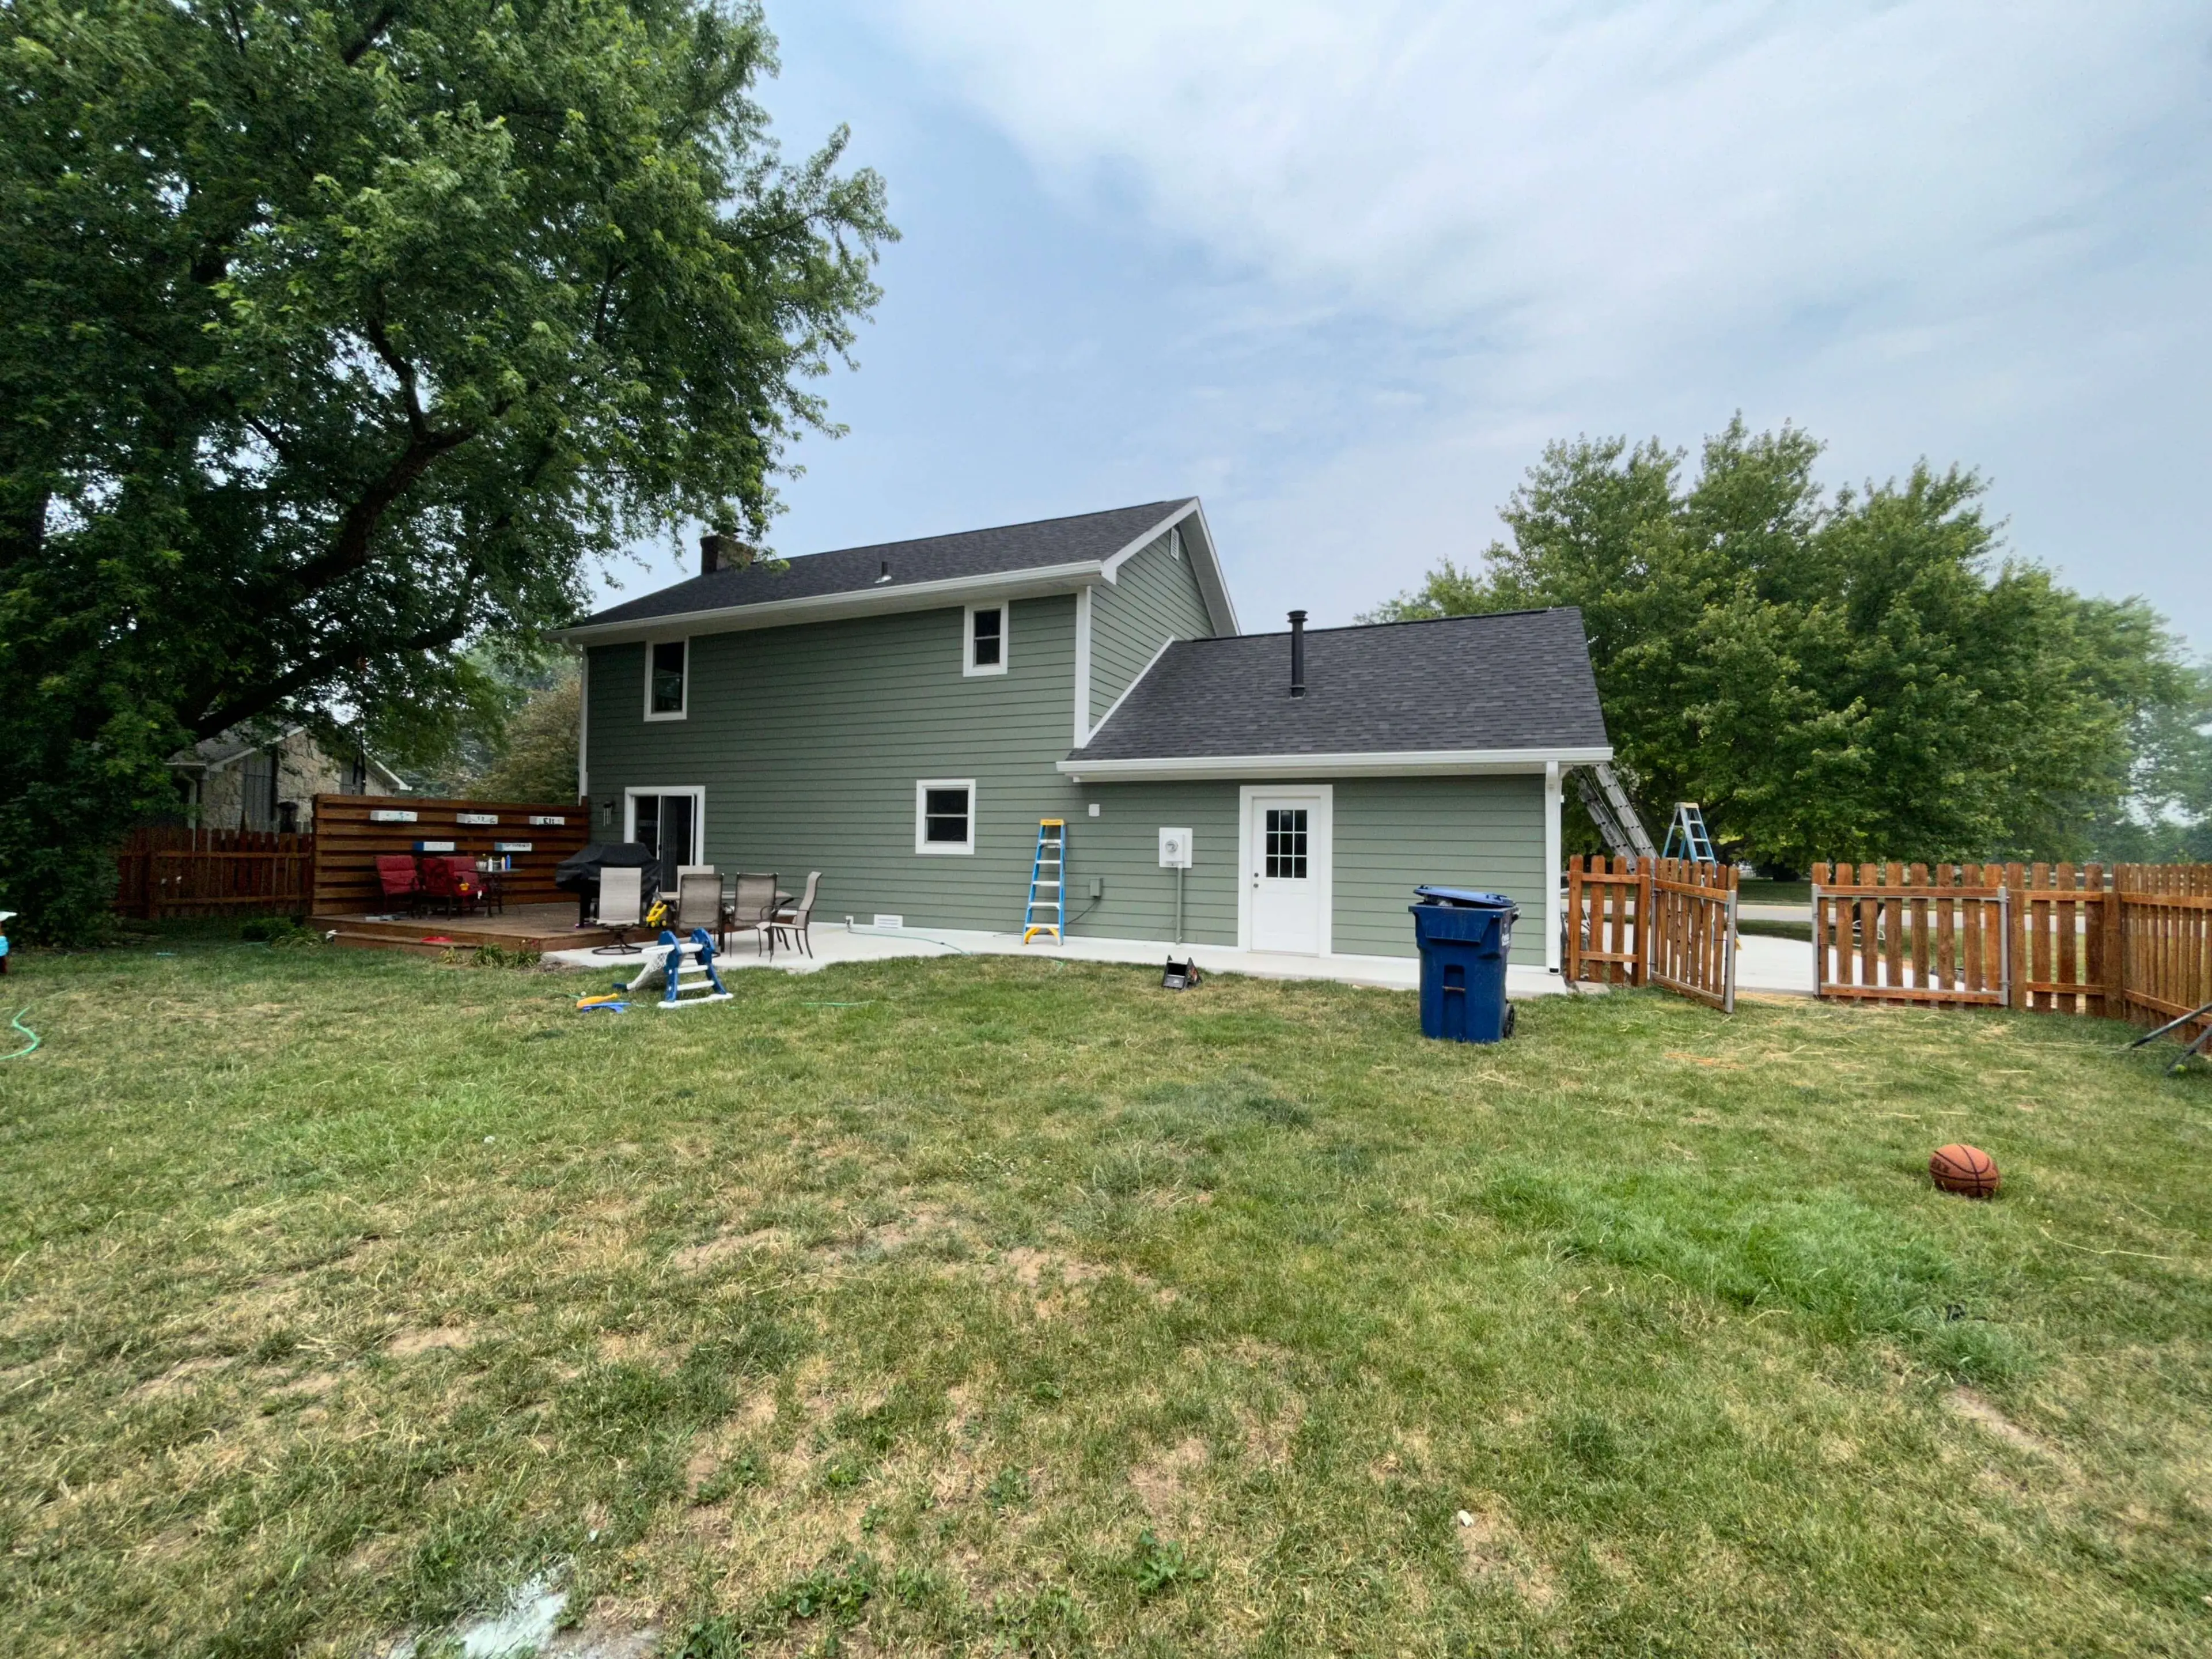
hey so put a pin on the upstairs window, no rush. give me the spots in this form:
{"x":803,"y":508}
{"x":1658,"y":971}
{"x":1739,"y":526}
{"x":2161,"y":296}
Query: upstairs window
{"x":945,"y":815}
{"x":987,"y":640}
{"x":666,"y":668}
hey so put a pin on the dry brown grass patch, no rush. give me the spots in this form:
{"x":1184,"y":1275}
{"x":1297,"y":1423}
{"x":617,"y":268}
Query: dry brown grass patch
{"x":1492,"y":1551}
{"x":405,"y":1344}
{"x":1160,"y":1483}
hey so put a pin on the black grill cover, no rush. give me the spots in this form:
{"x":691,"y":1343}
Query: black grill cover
{"x":580,"y":873}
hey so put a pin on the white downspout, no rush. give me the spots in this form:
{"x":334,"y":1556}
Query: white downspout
{"x":583,"y":737}
{"x":1554,"y":907}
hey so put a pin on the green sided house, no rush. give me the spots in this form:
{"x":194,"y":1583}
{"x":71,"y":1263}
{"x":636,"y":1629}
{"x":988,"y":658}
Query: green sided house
{"x":900,"y":717}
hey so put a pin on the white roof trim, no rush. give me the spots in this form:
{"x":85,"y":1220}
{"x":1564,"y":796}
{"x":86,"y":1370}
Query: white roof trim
{"x":1212,"y":587}
{"x":856,"y":602}
{"x":1116,"y":705}
{"x":1383,"y":763}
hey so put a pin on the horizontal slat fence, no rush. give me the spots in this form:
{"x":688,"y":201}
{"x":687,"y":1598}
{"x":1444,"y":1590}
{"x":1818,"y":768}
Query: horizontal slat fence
{"x":350,"y":837}
{"x":1669,"y":923}
{"x":1692,"y":944}
{"x":2128,"y":941}
{"x":169,"y":871}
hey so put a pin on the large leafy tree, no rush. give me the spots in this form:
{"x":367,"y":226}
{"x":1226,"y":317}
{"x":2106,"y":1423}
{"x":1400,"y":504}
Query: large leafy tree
{"x":1831,"y":676}
{"x":341,"y":334}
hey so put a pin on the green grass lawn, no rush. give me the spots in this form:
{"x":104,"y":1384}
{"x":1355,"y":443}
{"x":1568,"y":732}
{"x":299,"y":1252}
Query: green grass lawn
{"x":983,"y":1305}
{"x":1756,"y":890}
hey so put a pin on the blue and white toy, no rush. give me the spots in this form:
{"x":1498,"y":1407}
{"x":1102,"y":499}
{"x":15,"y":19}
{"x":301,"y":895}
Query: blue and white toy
{"x":685,"y":968}
{"x":5,"y":917}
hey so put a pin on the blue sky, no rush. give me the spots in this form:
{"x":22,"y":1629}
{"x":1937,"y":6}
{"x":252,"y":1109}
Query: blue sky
{"x":1343,"y":270}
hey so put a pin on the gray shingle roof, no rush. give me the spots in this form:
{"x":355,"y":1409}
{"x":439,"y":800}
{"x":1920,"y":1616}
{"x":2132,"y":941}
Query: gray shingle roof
{"x":1008,"y":549}
{"x":1518,"y":679}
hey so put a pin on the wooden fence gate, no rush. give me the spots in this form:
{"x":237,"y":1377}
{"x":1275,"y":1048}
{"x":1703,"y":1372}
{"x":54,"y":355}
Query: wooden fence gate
{"x":1669,"y":923}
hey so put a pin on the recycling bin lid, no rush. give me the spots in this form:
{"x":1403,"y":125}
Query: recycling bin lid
{"x":1463,"y":897}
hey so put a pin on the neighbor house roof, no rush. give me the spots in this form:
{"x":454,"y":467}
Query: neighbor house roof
{"x":1014,"y":560}
{"x":233,"y":744}
{"x":1504,"y":692}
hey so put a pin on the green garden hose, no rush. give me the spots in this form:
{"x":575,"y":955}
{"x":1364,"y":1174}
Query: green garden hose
{"x":16,"y":1020}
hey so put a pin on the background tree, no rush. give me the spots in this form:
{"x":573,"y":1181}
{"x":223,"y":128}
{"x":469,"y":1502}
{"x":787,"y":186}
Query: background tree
{"x":342,"y":335}
{"x":1829,"y":676}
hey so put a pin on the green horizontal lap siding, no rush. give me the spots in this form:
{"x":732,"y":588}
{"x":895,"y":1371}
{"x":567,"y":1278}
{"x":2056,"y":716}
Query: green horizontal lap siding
{"x":1154,"y":599}
{"x":809,"y":741}
{"x":1396,"y":834}
{"x":1122,"y":845}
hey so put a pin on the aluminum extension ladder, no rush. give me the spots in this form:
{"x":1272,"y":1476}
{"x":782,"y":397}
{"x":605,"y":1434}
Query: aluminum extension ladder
{"x":1049,"y":883}
{"x":1612,"y":812}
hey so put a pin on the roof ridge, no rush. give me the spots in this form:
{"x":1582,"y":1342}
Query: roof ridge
{"x":1396,"y":621}
{"x":989,"y":529}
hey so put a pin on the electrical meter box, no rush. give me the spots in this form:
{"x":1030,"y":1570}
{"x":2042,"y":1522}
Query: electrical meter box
{"x":1174,"y":849}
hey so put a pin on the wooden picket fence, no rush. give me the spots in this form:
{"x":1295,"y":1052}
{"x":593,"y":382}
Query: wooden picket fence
{"x":1669,"y":923}
{"x":170,"y":871}
{"x":2131,"y":941}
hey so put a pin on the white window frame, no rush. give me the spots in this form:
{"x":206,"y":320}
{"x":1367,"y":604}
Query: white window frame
{"x":698,"y":794}
{"x":1321,"y":872}
{"x":922,"y":844}
{"x":967,"y":666}
{"x":651,"y":646}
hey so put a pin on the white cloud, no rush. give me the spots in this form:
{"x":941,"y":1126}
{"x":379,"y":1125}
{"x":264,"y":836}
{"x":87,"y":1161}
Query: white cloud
{"x":1933,"y":225}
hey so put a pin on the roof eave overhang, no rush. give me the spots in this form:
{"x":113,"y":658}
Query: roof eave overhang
{"x":1033,"y":583}
{"x":1400,"y":764}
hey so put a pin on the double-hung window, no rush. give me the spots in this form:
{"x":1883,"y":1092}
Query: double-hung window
{"x":667,"y":671}
{"x":986,"y":636}
{"x":945,"y":815}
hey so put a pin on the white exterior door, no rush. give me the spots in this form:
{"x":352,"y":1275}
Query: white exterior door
{"x":1286,"y":841}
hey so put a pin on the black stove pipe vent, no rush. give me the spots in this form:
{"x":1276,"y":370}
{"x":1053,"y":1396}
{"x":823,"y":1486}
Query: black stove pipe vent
{"x":1298,"y":653}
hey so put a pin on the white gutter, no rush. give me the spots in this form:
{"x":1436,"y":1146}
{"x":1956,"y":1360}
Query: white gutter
{"x":859,"y":602}
{"x":1384,"y":763}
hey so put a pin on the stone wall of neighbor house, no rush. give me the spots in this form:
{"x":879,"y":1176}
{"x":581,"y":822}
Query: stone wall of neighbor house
{"x":236,"y":797}
{"x":1154,"y":598}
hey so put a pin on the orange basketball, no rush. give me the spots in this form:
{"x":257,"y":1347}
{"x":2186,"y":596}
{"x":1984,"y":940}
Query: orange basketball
{"x":1967,"y":1170}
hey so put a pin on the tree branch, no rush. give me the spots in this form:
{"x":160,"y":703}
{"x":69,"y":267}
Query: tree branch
{"x":371,"y":35}
{"x":263,"y":698}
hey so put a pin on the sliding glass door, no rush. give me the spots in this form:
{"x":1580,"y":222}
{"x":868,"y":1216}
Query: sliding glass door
{"x":668,"y":822}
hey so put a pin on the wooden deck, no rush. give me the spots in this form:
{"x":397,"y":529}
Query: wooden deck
{"x":521,"y":928}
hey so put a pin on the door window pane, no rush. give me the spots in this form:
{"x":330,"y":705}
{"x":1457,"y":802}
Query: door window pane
{"x":668,"y":677}
{"x":1286,"y":843}
{"x":675,"y":848}
{"x":944,"y":816}
{"x":990,"y":638}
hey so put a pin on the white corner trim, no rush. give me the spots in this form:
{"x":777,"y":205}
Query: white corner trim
{"x":584,"y":731}
{"x":684,"y":713}
{"x":1323,"y":824}
{"x":698,"y":794}
{"x":1083,"y":667}
{"x":1554,"y":905}
{"x":942,"y":848}
{"x":1005,"y":609}
{"x":1411,"y":762}
{"x":855,"y":602}
{"x":1112,"y":708}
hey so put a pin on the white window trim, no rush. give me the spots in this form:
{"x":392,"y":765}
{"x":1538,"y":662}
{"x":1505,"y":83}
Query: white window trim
{"x":698,"y":794}
{"x":968,"y":638}
{"x":1324,"y":823}
{"x":922,"y":844}
{"x":683,"y":712}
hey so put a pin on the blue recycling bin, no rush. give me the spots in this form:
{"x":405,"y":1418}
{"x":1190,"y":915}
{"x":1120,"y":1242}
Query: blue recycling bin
{"x":1464,"y":936}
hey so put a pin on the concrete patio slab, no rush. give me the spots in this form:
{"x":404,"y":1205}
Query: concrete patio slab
{"x":835,"y":944}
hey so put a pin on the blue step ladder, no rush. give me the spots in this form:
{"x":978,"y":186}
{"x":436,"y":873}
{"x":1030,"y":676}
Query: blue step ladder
{"x":1047,"y":911}
{"x":1688,"y":831}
